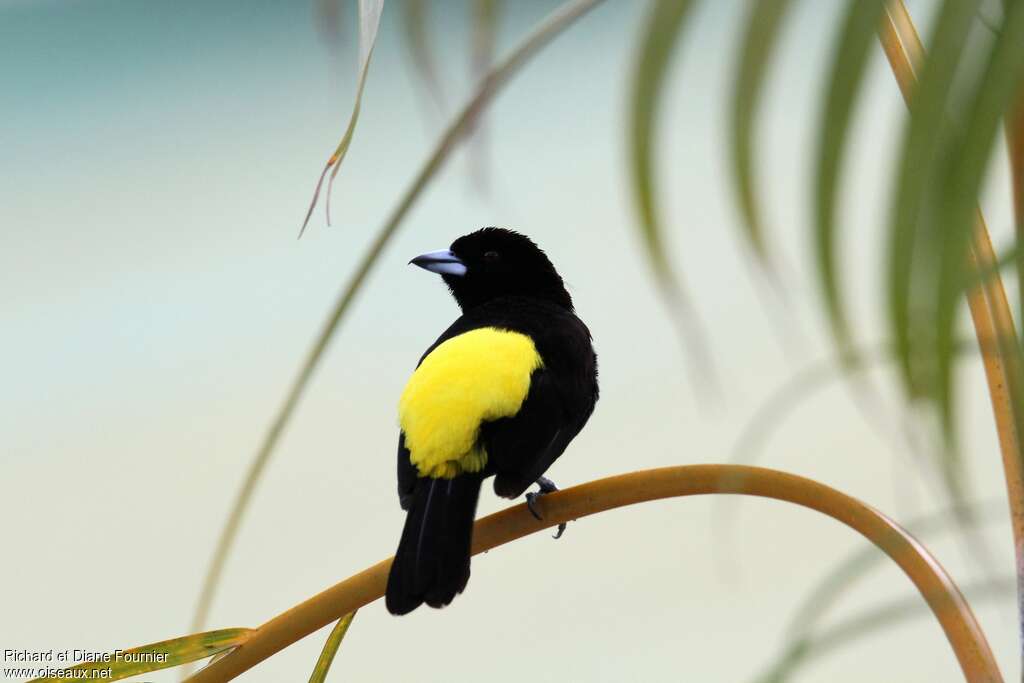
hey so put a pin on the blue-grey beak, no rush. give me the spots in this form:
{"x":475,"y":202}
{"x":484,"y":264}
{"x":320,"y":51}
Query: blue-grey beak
{"x":442,"y":261}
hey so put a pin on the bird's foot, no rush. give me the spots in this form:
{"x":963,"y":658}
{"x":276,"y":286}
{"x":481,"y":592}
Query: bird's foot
{"x":545,"y":486}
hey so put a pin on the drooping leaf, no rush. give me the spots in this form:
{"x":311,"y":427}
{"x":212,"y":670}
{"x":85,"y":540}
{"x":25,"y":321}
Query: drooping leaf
{"x":323,"y":663}
{"x":912,"y":328}
{"x":965,"y":161}
{"x":369,"y":22}
{"x":846,"y":74}
{"x":758,"y":46}
{"x":153,"y":657}
{"x":665,"y":23}
{"x":1015,"y":148}
{"x":544,"y":33}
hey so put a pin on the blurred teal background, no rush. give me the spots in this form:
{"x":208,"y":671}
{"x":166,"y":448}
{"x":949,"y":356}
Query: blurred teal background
{"x":156,"y":161}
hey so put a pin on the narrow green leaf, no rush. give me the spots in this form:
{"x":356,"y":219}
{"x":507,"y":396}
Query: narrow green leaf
{"x":544,"y":33}
{"x":369,"y":22}
{"x":965,"y":163}
{"x":849,"y":63}
{"x":162,"y":655}
{"x":919,"y":153}
{"x":764,"y":24}
{"x":323,"y":663}
{"x":1015,"y":149}
{"x":664,"y":25}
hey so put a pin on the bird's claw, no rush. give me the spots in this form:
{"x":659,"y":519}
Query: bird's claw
{"x":546,"y":486}
{"x":531,"y":499}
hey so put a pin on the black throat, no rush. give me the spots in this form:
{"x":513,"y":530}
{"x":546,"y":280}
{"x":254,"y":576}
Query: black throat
{"x":470,"y":292}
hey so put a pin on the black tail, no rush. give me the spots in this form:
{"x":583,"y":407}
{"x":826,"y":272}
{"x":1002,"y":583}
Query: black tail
{"x":432,"y":561}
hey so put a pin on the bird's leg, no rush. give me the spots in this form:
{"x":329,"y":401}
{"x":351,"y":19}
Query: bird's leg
{"x":546,"y":486}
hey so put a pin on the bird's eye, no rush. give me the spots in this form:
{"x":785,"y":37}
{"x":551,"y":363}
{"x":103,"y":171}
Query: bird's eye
{"x":491,"y":256}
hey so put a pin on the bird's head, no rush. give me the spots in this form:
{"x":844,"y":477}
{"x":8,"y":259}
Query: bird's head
{"x":492,"y":263}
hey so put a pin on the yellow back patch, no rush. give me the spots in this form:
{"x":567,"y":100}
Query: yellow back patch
{"x":477,"y":376}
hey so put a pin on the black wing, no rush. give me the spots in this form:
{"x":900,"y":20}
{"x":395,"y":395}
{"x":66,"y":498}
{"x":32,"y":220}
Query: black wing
{"x":560,"y":401}
{"x":406,"y":474}
{"x":522,"y":447}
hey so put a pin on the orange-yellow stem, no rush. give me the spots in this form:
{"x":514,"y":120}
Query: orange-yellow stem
{"x":935,"y":586}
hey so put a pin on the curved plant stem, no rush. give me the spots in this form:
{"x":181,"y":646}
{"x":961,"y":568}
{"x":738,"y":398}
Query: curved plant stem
{"x":990,"y":311}
{"x":559,"y":20}
{"x":935,"y":586}
{"x":1001,"y":351}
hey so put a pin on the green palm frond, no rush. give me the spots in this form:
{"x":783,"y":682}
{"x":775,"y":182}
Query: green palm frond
{"x":760,"y":39}
{"x":846,"y":74}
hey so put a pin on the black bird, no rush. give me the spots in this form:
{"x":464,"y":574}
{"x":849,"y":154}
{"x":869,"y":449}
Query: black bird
{"x":501,"y":392}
